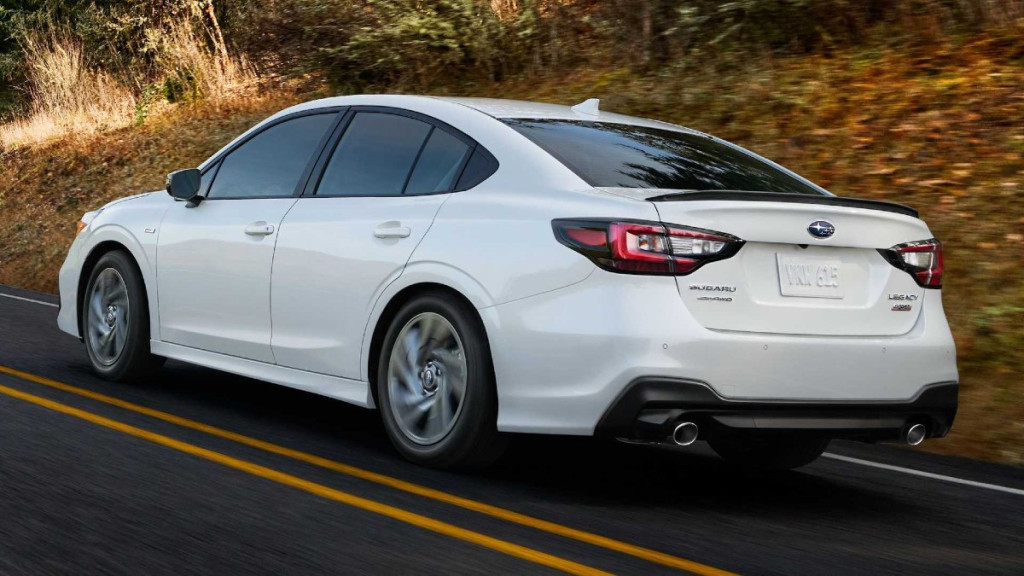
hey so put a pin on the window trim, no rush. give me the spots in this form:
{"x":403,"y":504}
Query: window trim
{"x":416,"y":162}
{"x":215,"y":163}
{"x":313,"y":183}
{"x":204,"y":189}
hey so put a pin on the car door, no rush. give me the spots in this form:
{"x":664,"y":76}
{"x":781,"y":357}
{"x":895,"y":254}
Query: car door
{"x":382,"y":185}
{"x":214,"y":259}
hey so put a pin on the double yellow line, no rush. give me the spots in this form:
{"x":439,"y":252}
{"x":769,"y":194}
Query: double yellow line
{"x":395,"y":513}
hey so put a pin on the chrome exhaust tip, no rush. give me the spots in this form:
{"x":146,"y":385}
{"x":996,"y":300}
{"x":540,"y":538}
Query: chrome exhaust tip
{"x":685,"y":434}
{"x":915,"y":434}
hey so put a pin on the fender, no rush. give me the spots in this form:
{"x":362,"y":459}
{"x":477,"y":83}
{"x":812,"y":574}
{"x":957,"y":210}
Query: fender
{"x":421,"y":273}
{"x":145,"y":257}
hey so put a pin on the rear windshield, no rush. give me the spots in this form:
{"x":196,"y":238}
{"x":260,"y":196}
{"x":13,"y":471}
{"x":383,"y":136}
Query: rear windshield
{"x":621,"y":155}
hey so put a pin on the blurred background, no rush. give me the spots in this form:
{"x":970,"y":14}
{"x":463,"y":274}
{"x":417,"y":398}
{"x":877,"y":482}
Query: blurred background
{"x":914,"y":101}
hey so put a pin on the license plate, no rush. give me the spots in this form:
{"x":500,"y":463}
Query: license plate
{"x":810,"y":277}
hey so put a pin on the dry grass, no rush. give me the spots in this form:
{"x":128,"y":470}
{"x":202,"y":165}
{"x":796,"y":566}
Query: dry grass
{"x":187,"y":61}
{"x":70,"y":99}
{"x":67,"y":96}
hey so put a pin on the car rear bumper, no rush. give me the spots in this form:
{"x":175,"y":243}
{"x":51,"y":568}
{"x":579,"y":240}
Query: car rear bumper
{"x":562,"y":358}
{"x":650,"y":408}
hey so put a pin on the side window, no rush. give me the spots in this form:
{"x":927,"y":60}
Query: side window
{"x":374,"y":156}
{"x":438,"y":165}
{"x":270,"y":164}
{"x":479,"y":168}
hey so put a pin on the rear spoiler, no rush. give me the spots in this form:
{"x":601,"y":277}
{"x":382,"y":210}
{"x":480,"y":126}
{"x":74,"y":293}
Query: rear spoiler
{"x":786,"y":198}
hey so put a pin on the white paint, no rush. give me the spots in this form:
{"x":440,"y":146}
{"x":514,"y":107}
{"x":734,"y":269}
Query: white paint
{"x":320,"y":298}
{"x":214,"y":276}
{"x":351,"y":391}
{"x":913,"y":472}
{"x":590,"y":107}
{"x":766,"y":302}
{"x":125,"y":226}
{"x":566,"y":337}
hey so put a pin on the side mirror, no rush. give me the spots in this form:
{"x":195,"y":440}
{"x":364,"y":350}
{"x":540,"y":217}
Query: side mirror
{"x":184,"y":185}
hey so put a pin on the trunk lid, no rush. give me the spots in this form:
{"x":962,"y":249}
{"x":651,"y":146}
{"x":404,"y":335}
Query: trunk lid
{"x":785,"y":280}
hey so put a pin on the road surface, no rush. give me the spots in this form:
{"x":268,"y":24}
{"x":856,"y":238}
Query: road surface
{"x":202,"y":472}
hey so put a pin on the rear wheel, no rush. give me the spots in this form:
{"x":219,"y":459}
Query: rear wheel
{"x":115,"y":320}
{"x":770,"y":452}
{"x":435,"y":385}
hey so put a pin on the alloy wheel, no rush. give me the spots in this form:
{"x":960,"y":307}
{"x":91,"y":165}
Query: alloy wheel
{"x":427,"y":378}
{"x":108,"y":316}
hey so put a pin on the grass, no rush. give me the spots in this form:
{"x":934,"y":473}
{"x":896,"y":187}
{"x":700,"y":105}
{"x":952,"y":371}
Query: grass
{"x":936,"y":127}
{"x":67,"y":97}
{"x":70,"y":99}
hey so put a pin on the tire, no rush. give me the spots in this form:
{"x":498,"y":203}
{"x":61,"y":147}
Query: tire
{"x":769,"y":453}
{"x":115,"y":320}
{"x":435,"y":385}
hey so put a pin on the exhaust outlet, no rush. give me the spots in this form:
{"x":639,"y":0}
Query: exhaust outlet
{"x":915,"y":434}
{"x":685,"y":434}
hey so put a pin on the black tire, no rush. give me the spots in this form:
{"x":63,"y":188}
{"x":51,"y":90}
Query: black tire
{"x":473,"y":440}
{"x":783,"y":452}
{"x":133,"y":362}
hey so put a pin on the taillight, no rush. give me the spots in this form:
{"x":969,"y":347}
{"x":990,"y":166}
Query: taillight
{"x":638,"y":247}
{"x":921,"y":259}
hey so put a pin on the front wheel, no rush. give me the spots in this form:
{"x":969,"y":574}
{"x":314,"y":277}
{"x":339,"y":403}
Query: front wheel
{"x":769,"y":453}
{"x":115,"y":320}
{"x":435,"y":385}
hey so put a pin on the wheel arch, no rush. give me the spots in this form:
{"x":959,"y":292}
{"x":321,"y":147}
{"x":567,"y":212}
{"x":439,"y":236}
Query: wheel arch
{"x":390,"y":310}
{"x":97,"y":251}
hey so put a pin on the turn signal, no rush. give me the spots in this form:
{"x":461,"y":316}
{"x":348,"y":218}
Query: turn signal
{"x":86,"y":219}
{"x":639,"y":247}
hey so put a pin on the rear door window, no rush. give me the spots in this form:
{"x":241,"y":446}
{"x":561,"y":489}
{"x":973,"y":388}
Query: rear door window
{"x":439,"y":164}
{"x":375,"y":156}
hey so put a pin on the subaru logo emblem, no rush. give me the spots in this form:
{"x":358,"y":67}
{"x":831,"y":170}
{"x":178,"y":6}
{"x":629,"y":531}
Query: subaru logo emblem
{"x":821,"y":229}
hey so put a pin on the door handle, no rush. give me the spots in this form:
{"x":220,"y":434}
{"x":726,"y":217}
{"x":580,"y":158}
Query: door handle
{"x":392,"y":229}
{"x":260,"y":228}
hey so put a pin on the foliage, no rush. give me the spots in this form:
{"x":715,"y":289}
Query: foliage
{"x":84,"y":67}
{"x":407,"y":44}
{"x":126,"y":39}
{"x":417,"y":44}
{"x":66,"y":95}
{"x":917,"y":101}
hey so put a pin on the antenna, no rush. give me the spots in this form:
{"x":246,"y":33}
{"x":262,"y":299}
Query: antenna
{"x":588,"y":107}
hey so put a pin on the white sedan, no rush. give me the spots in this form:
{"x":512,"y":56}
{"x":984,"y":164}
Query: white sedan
{"x":477,"y":267}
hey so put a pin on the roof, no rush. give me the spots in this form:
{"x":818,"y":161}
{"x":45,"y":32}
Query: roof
{"x":494,"y":107}
{"x":501,"y":108}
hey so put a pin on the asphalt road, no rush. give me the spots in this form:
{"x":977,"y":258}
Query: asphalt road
{"x":201,"y":472}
